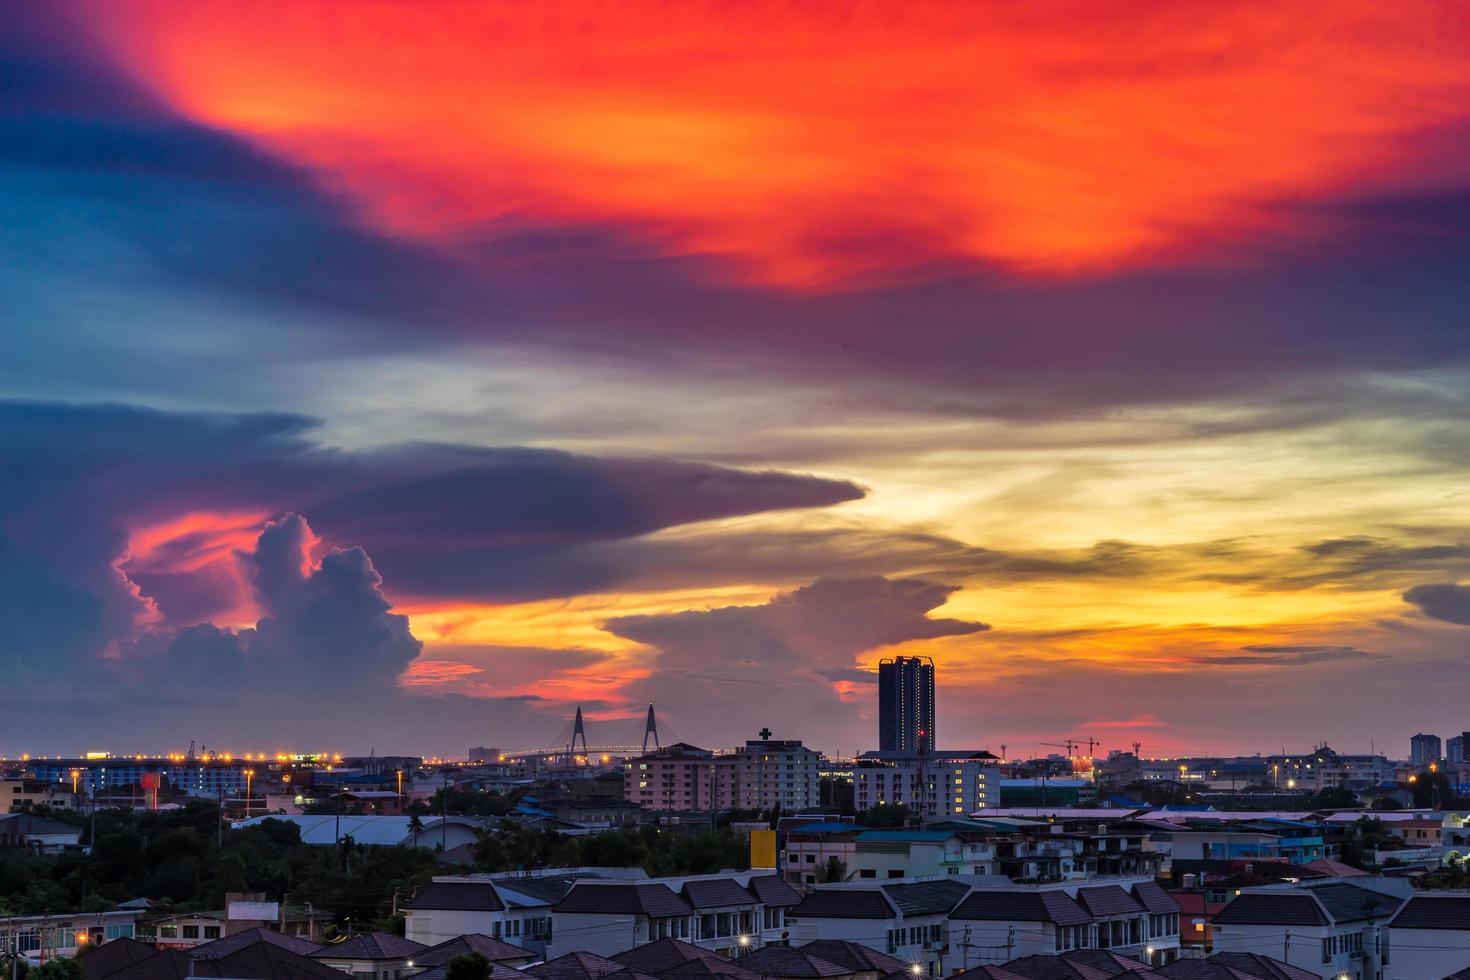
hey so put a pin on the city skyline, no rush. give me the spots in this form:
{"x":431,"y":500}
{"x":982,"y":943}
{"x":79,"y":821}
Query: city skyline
{"x":419,"y":375}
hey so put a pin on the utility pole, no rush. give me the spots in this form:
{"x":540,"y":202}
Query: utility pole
{"x":444,"y":809}
{"x":1286,"y":947}
{"x":221,"y":817}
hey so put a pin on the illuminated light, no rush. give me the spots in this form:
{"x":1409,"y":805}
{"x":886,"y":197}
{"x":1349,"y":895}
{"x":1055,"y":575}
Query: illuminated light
{"x":745,"y":940}
{"x":916,"y":968}
{"x":83,"y":938}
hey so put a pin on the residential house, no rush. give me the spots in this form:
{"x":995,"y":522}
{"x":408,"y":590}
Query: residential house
{"x":1427,"y":938}
{"x":371,"y":956}
{"x":1334,"y":929}
{"x":727,"y":913}
{"x":492,"y":949}
{"x":906,"y":920}
{"x":38,"y":834}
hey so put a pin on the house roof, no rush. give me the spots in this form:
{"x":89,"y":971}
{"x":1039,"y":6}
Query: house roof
{"x":788,"y":961}
{"x":1108,"y":900}
{"x":661,"y":955}
{"x":1335,"y":869}
{"x":710,"y":893}
{"x":1434,"y":912}
{"x":1113,"y":964}
{"x":1234,"y":966}
{"x":164,"y":964}
{"x":708,"y":968}
{"x":498,"y":971}
{"x":1351,"y":903}
{"x":458,"y":896}
{"x":575,"y":966}
{"x":624,"y":898}
{"x":1047,"y":906}
{"x":1039,"y":967}
{"x":264,"y":961}
{"x":854,"y":956}
{"x":974,"y":973}
{"x":773,"y":892}
{"x":528,"y":892}
{"x":371,"y":946}
{"x":1154,"y":898}
{"x":235,"y":942}
{"x":1273,"y":908}
{"x":493,"y":950}
{"x":927,"y":897}
{"x":109,"y":957}
{"x":844,"y":903}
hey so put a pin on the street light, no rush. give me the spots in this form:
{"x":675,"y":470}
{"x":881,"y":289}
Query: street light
{"x":249,"y":777}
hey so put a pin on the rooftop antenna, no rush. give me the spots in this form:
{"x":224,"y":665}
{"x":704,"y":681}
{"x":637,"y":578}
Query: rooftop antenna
{"x":650,"y":730}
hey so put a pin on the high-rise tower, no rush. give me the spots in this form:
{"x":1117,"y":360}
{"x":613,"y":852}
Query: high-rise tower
{"x":906,"y":704}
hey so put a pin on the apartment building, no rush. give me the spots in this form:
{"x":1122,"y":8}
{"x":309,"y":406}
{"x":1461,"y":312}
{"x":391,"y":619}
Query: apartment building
{"x":776,"y":773}
{"x":680,"y":777}
{"x":936,"y":787}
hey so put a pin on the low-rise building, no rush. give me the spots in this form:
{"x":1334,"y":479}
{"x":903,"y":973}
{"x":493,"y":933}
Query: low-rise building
{"x":729,"y":913}
{"x":907,"y":920}
{"x":680,"y":777}
{"x":1331,"y":928}
{"x":371,"y":956}
{"x":1426,"y":938}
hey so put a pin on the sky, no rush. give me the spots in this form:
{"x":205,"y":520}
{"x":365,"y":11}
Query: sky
{"x":401,"y":376}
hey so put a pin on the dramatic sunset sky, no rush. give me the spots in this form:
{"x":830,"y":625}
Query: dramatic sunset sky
{"x":401,"y":375}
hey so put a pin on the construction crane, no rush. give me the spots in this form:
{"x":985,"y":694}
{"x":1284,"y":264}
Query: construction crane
{"x":1070,"y":745}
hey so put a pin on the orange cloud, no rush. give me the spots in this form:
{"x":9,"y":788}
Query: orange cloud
{"x":813,"y":144}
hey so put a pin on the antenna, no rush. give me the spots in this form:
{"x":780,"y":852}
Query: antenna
{"x":650,"y":731}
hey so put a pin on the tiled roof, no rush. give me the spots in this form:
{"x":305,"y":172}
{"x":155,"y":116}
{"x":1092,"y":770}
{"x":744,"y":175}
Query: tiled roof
{"x":1234,"y":966}
{"x":371,"y":946}
{"x":1351,"y":903}
{"x":927,"y":897}
{"x":536,"y":891}
{"x":1018,"y":906}
{"x":264,"y":961}
{"x":226,"y":945}
{"x":1434,"y":912}
{"x":1039,"y":967}
{"x":773,"y":892}
{"x":1272,"y":908}
{"x":787,"y":961}
{"x":498,"y":971}
{"x":457,"y":896}
{"x":621,"y":898}
{"x":661,"y":955}
{"x":1108,"y":900}
{"x":1154,"y":898}
{"x":709,"y":968}
{"x":844,"y":903}
{"x":575,"y":966}
{"x":109,"y":957}
{"x":854,"y":956}
{"x":1113,"y":964}
{"x":974,"y":973}
{"x":1335,"y":869}
{"x":710,"y":893}
{"x":165,"y":964}
{"x":492,"y":949}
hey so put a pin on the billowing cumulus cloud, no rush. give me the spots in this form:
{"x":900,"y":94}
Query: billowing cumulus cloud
{"x":744,"y":666}
{"x":1442,"y":600}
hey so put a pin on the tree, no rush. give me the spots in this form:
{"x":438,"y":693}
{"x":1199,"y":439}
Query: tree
{"x":58,"y":968}
{"x":885,"y":815}
{"x":834,"y":871}
{"x":469,"y":966}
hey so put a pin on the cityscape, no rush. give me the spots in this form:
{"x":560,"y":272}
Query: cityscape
{"x":675,"y":490}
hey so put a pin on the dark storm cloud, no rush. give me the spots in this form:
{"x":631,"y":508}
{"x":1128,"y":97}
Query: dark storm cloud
{"x":1442,"y":600}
